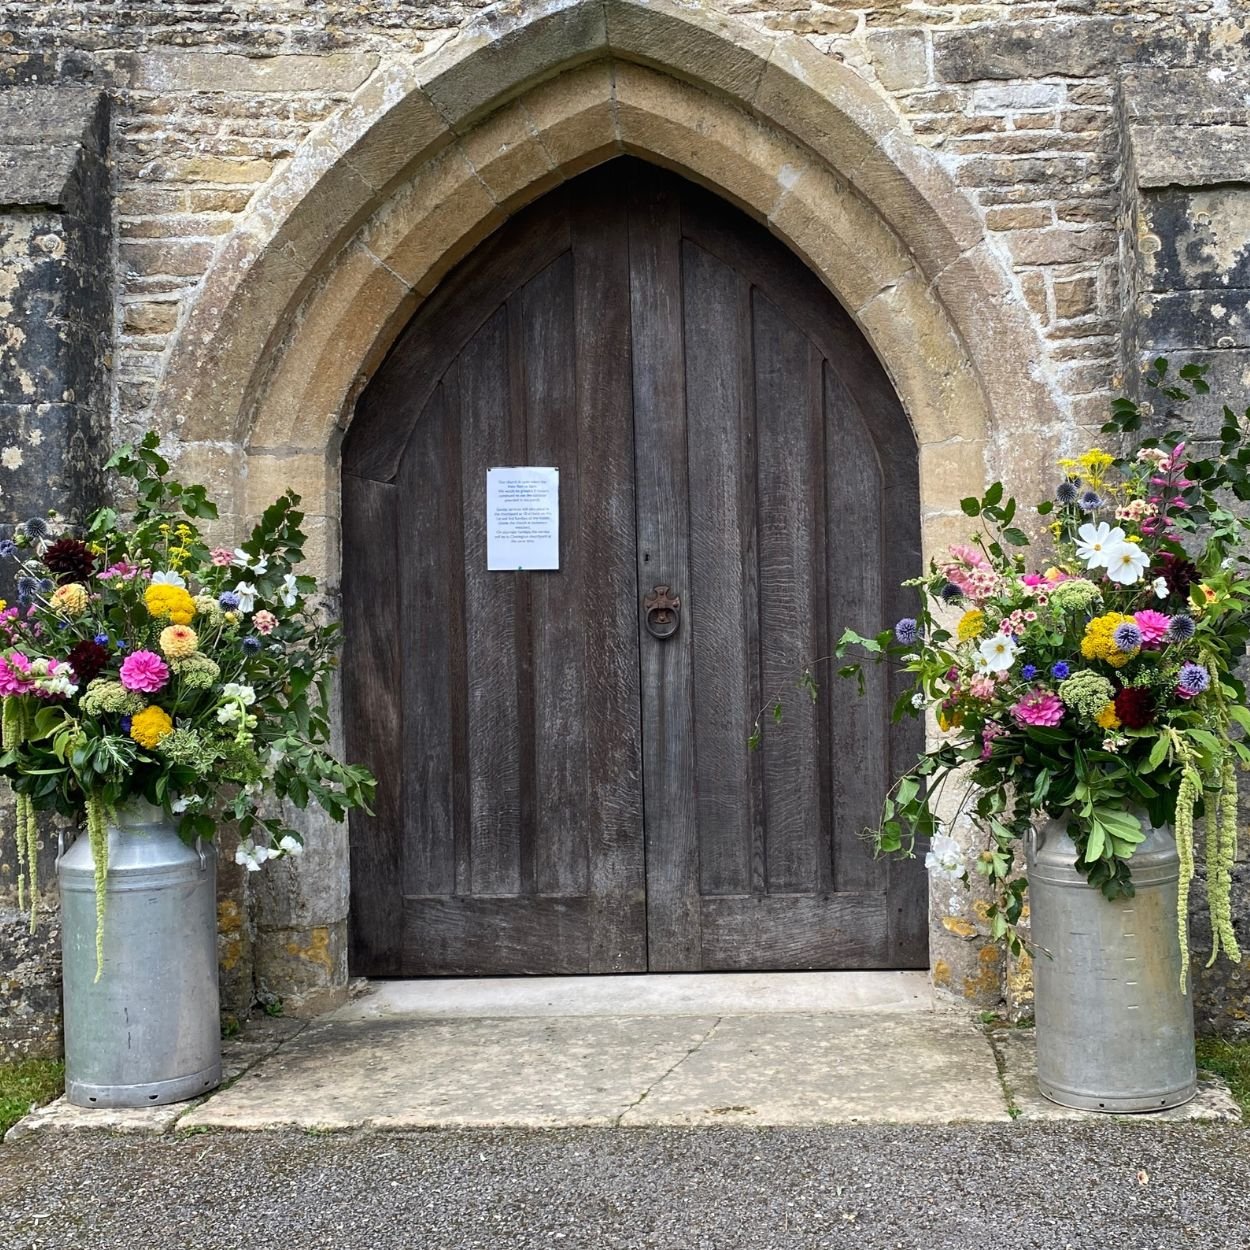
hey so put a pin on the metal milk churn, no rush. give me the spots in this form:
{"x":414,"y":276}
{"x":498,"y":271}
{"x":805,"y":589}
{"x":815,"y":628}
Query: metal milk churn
{"x":147,"y":1032}
{"x":1114,"y":1030}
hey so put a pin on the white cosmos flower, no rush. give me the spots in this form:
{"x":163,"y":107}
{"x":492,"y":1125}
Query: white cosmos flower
{"x":998,"y":652}
{"x":1126,"y":562}
{"x":247,"y":596}
{"x":945,"y":857}
{"x":169,"y":579}
{"x":1161,"y":587}
{"x":1096,"y":541}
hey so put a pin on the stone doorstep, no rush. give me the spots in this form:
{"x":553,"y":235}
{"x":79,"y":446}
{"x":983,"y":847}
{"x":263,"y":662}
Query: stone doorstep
{"x":372,"y":1065}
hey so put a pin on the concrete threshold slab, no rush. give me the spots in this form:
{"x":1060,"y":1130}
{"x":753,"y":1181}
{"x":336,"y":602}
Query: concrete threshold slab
{"x":655,"y":994}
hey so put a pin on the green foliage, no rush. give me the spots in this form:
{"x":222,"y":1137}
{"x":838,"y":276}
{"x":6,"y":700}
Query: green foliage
{"x":1228,"y":1058}
{"x":26,"y":1085}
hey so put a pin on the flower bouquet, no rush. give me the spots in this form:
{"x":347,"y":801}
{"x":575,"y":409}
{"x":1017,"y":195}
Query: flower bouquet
{"x":138,"y":664}
{"x":1091,"y":682}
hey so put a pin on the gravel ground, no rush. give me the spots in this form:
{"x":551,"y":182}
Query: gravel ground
{"x":1131,"y":1186}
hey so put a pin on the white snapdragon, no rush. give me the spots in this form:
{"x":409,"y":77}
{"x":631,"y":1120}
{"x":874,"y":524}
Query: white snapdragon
{"x":945,"y":857}
{"x":246,"y":593}
{"x":243,"y":561}
{"x":237,"y":690}
{"x":287,"y":592}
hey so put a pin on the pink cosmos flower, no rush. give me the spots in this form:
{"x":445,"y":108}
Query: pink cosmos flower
{"x":222,"y":557}
{"x":264,"y":622}
{"x":1038,"y":707}
{"x":144,"y":670}
{"x":1153,"y":626}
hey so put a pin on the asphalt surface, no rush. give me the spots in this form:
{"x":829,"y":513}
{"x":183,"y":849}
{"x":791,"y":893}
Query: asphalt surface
{"x":1127,"y":1186}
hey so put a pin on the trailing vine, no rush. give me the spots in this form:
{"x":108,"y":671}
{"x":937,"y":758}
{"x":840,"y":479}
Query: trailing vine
{"x":97,"y":834}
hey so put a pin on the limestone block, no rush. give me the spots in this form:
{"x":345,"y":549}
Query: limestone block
{"x":305,"y":968}
{"x":1201,"y":237}
{"x":301,"y":892}
{"x":433,"y":220}
{"x":693,"y":43}
{"x":269,"y":474}
{"x":1014,"y":97}
{"x":900,"y":58}
{"x":187,"y":69}
{"x":1218,"y":318}
{"x":150,"y":318}
{"x":573,"y":116}
{"x":212,"y":169}
{"x":727,"y":150}
{"x":1061,"y":246}
{"x":177,"y":257}
{"x":958,"y":464}
{"x":1076,"y":297}
{"x":508,"y":155}
{"x":500,"y":54}
{"x":215,"y":466}
{"x":840,"y":236}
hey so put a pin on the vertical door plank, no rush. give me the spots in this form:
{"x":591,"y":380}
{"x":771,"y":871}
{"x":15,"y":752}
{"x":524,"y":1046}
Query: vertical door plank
{"x":558,"y":731}
{"x":428,"y":490}
{"x":788,"y":406}
{"x":608,"y":611}
{"x":663,"y":558}
{"x":859,"y":756}
{"x":373,"y":718}
{"x":720,"y":493}
{"x":494,"y":730}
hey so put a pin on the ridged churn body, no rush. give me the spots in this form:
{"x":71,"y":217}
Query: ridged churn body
{"x":148,"y":1031}
{"x":1114,"y":1031}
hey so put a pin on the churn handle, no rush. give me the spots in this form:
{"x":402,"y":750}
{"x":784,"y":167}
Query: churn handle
{"x":199,"y":850}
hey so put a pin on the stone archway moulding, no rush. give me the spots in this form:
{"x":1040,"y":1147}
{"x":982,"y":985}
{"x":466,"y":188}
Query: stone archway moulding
{"x":338,"y":250}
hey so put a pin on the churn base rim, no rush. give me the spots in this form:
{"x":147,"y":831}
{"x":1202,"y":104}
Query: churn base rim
{"x":150,"y":1094}
{"x":1136,"y":1105}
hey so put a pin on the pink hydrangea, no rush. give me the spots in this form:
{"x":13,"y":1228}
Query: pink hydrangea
{"x":264,"y":622}
{"x":1154,"y":627}
{"x":13,"y":670}
{"x":1038,"y":707}
{"x":145,"y":671}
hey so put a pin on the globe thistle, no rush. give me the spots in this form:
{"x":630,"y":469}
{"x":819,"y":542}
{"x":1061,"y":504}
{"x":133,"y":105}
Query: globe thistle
{"x":907,"y":631}
{"x":27,"y":588}
{"x":1192,"y":680}
{"x":250,"y":645}
{"x":228,"y":600}
{"x":70,"y":559}
{"x":37,"y":529}
{"x":950,"y":593}
{"x":1091,"y":501}
{"x":1066,"y":492}
{"x":1182,"y":628}
{"x":1127,"y":637}
{"x":8,"y":549}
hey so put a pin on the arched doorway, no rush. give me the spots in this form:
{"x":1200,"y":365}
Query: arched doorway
{"x":560,"y":790}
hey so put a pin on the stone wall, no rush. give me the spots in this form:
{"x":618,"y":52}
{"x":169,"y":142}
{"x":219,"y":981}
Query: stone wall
{"x":1113,"y":225}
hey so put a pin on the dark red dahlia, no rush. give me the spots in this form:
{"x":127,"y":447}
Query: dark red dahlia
{"x":1134,"y":707}
{"x":1179,"y":573}
{"x":87,"y":660}
{"x":70,"y":559}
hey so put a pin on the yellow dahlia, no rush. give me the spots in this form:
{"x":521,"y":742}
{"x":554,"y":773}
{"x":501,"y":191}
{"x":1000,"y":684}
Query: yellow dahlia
{"x":71,"y":599}
{"x":179,"y":641}
{"x":169,"y":602}
{"x":148,"y":727}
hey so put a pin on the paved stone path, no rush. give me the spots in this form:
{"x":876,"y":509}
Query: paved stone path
{"x":623,"y":1053}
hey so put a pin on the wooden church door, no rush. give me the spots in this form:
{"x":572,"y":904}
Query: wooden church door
{"x":564,"y":780}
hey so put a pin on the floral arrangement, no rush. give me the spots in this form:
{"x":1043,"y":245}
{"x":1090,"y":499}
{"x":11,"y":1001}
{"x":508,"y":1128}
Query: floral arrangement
{"x":1095,"y":682}
{"x":139,"y":664}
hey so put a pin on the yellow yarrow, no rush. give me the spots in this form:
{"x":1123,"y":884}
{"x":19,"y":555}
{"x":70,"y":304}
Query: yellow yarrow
{"x":1107,"y":719}
{"x":971,"y":625}
{"x":169,"y":602}
{"x":1099,"y":640}
{"x":953,"y":721}
{"x":1091,"y":465}
{"x":179,"y":641}
{"x":148,"y":727}
{"x":71,"y":599}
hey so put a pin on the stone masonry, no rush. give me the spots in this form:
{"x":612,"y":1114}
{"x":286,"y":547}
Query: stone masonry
{"x":1079,"y":166}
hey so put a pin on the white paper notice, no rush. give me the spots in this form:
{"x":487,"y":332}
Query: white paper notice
{"x":522,"y":519}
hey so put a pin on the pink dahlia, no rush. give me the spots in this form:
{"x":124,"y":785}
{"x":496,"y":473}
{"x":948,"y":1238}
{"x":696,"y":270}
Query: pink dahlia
{"x":13,"y":674}
{"x":144,"y":670}
{"x":1153,"y":626}
{"x":1038,"y":707}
